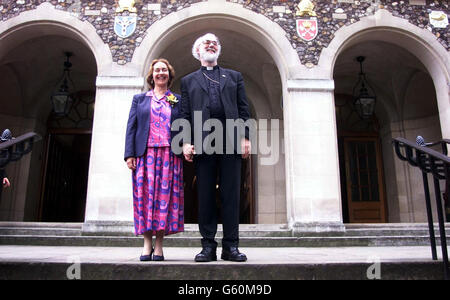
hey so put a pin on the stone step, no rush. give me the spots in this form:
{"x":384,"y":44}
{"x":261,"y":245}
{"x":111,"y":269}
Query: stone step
{"x":273,"y":235}
{"x":110,"y":271}
{"x":349,"y":233}
{"x":39,"y":231}
{"x":40,"y":262}
{"x":246,"y":230}
{"x":178,"y":241}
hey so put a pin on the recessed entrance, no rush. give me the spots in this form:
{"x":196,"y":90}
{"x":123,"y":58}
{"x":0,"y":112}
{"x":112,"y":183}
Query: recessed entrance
{"x":373,"y":187}
{"x":66,"y":166}
{"x":50,"y":183}
{"x":262,"y":187}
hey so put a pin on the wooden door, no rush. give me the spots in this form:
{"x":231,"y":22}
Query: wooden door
{"x":65,"y":177}
{"x":364,"y":180}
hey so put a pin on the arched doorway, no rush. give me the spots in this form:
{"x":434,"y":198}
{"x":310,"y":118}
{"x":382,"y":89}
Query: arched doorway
{"x":66,"y":165}
{"x":31,"y":64}
{"x":256,"y":76}
{"x":375,"y":188}
{"x":246,"y":50}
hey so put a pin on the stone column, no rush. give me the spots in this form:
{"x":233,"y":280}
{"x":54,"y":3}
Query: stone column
{"x":312,"y":165}
{"x":109,"y":203}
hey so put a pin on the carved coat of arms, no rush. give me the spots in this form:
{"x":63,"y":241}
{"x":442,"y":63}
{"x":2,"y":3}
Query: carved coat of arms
{"x":126,"y":5}
{"x":124,"y":26}
{"x":438,"y":19}
{"x":307,"y":29}
{"x":305,"y":8}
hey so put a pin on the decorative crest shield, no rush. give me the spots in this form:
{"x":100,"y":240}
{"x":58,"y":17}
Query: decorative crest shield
{"x":126,"y":5}
{"x":124,"y":26}
{"x":305,"y":8}
{"x":438,"y":19}
{"x":307,"y":29}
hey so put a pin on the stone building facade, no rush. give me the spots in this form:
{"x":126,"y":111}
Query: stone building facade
{"x":299,"y":78}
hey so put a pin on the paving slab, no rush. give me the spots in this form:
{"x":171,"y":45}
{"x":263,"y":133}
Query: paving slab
{"x":290,"y":255}
{"x":44,"y":262}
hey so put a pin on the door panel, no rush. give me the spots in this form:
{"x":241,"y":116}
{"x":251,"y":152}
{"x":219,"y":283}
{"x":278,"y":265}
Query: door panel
{"x":364,"y":176}
{"x":65,"y":178}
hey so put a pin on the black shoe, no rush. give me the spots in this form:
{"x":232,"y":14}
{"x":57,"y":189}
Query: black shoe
{"x":233,"y":254}
{"x":158,"y":257}
{"x":207,"y":254}
{"x":147,"y":257}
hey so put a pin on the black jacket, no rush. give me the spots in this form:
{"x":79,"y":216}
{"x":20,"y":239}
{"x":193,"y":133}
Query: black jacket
{"x":138,"y":125}
{"x":195,"y":97}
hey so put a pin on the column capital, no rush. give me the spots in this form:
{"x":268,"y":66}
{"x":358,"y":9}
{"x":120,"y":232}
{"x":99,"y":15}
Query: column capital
{"x":310,"y":85}
{"x":120,"y":82}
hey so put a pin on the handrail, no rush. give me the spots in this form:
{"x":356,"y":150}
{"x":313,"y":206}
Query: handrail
{"x":15,"y":148}
{"x":398,"y":141}
{"x":430,"y":161}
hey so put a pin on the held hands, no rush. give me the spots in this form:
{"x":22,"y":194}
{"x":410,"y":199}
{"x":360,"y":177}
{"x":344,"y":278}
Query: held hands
{"x":246,"y":148}
{"x":131,"y":163}
{"x":188,"y":152}
{"x":6,"y":183}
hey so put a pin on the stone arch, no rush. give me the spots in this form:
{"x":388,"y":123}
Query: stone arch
{"x":269,"y":34}
{"x":383,"y":26}
{"x":46,"y":19}
{"x":279,"y":62}
{"x":431,"y":68}
{"x":34,"y":67}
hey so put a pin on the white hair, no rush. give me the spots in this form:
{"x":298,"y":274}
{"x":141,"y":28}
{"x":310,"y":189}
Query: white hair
{"x":200,"y":40}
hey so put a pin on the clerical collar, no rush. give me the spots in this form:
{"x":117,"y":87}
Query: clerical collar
{"x":210,"y":68}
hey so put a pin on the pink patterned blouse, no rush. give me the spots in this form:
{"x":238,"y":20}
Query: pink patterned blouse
{"x":160,"y":112}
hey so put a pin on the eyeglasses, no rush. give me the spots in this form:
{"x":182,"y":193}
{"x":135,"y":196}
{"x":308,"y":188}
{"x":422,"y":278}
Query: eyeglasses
{"x":208,"y":42}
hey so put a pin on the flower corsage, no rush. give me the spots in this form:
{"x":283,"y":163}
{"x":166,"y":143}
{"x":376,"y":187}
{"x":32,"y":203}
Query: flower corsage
{"x":172,"y":99}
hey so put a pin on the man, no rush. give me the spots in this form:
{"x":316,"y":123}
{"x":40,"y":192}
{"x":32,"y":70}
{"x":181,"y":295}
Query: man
{"x":215,"y":93}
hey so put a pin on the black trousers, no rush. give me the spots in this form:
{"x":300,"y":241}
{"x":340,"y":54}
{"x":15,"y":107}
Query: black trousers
{"x":228,"y":168}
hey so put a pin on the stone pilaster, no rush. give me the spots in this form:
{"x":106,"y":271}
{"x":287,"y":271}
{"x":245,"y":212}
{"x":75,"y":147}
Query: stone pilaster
{"x":109,"y":196}
{"x":312,"y":166}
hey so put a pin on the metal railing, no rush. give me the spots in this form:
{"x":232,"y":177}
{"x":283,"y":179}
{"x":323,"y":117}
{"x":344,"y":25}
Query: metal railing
{"x":438,"y":164}
{"x":14,"y":149}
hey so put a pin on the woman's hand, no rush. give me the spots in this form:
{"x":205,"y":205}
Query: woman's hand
{"x":131,"y":163}
{"x":188,"y":152}
{"x":246,"y":148}
{"x":6,"y":183}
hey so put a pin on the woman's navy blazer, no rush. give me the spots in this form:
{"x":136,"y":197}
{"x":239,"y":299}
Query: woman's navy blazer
{"x":138,"y":126}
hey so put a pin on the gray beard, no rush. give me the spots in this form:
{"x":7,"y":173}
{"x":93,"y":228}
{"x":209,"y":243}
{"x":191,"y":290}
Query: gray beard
{"x":208,"y":57}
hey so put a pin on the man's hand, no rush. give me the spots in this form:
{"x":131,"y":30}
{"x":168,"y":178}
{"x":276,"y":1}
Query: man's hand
{"x":188,"y":152}
{"x":131,"y":163}
{"x":6,"y":183}
{"x":246,"y":148}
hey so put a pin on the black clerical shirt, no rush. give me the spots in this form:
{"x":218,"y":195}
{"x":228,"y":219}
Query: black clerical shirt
{"x":212,"y":78}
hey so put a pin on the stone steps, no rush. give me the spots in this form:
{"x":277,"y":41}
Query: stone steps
{"x":420,"y":270}
{"x":276,"y":235}
{"x":283,"y":263}
{"x":115,"y":241}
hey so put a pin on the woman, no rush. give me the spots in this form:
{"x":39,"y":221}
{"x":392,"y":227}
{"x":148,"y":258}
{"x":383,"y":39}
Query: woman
{"x":158,"y":196}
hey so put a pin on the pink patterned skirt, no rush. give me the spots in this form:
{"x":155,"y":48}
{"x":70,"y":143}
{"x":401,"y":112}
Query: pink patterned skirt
{"x":158,"y":196}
